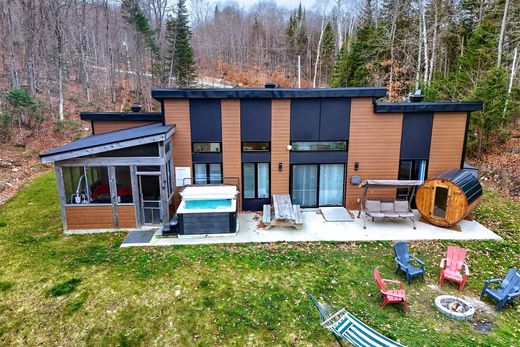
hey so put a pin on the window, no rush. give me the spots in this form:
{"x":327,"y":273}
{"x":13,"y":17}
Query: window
{"x":256,"y":146}
{"x":86,"y":185}
{"x":319,"y":146}
{"x":410,"y":170}
{"x":256,"y":180}
{"x":208,"y":173}
{"x":206,"y":147}
{"x":124,"y":185}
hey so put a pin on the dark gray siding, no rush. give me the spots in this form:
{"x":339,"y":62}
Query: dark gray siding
{"x":255,"y":119}
{"x":334,"y":119}
{"x":205,"y":120}
{"x":416,"y":136}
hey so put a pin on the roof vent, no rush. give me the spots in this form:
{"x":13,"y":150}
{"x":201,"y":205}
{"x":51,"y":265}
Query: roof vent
{"x":416,"y":97}
{"x":271,"y":85}
{"x":136,"y":107}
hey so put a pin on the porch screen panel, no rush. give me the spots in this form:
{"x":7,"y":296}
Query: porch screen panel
{"x":124,"y":185}
{"x":263,"y":180}
{"x":305,"y":185}
{"x":72,"y":184}
{"x":331,"y":184}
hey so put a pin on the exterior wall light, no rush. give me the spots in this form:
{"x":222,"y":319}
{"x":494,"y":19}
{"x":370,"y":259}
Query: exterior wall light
{"x":280,"y":167}
{"x":289,"y":147}
{"x":356,"y":166}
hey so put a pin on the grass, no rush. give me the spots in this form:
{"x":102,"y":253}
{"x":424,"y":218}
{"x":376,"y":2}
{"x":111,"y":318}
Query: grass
{"x":85,"y":290}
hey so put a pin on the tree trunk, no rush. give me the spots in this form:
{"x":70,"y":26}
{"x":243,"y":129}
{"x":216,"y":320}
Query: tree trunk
{"x":318,"y":53}
{"x":425,"y":42}
{"x":502,"y":31}
{"x":434,"y":45}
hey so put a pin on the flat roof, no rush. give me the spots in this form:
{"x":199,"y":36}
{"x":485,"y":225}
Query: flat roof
{"x":451,"y":106}
{"x":110,"y":138}
{"x":267,"y":93}
{"x":122,"y":116}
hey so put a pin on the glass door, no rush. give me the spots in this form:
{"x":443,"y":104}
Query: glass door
{"x":151,"y":204}
{"x":318,"y":185}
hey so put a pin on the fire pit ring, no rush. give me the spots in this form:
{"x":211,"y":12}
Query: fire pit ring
{"x":454,"y":307}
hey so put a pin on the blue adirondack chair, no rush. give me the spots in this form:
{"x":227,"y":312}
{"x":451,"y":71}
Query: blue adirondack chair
{"x":404,"y":263}
{"x":508,"y":290}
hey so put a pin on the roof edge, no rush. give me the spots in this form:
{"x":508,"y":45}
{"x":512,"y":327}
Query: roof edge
{"x":122,"y":116}
{"x":267,"y":93}
{"x":452,"y":106}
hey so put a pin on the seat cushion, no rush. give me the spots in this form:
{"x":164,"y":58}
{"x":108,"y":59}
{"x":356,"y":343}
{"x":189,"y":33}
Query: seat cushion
{"x":393,"y":298}
{"x":391,"y":215}
{"x":387,"y":207}
{"x":376,"y":214}
{"x":405,"y":214}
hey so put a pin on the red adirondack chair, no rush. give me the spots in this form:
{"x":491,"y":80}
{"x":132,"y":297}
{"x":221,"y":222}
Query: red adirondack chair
{"x":390,"y":296}
{"x":451,"y":266}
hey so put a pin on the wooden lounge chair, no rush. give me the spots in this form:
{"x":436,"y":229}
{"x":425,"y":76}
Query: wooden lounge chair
{"x":451,"y":266}
{"x":404,"y":262}
{"x":390,"y":296}
{"x":508,"y":290}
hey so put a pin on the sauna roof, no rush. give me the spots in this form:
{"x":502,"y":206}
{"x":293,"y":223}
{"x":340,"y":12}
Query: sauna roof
{"x":109,"y":141}
{"x":267,"y":93}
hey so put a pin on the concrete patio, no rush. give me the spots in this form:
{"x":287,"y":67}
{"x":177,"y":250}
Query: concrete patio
{"x":315,"y":228}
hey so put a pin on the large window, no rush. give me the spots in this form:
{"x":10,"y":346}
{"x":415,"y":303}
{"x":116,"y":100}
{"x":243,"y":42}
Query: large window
{"x":208,"y":173}
{"x":256,"y":180}
{"x":318,"y":146}
{"x":256,"y":146}
{"x":318,"y":185}
{"x":411,"y":170}
{"x":206,"y":147}
{"x":86,"y":185}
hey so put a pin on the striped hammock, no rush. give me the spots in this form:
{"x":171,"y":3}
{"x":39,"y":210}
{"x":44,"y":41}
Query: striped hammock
{"x":344,"y":325}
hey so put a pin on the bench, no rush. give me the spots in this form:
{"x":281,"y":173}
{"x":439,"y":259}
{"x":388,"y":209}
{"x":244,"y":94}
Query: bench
{"x":387,"y":209}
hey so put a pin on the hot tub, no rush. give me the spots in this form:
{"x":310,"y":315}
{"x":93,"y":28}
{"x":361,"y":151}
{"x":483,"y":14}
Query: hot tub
{"x":208,"y":210}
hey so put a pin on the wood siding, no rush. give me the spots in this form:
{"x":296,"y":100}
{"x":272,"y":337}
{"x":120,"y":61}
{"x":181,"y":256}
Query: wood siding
{"x":89,"y":217}
{"x":375,"y":142}
{"x":177,"y":112}
{"x":447,"y":142}
{"x":104,"y":126}
{"x":280,"y":138}
{"x":231,"y":143}
{"x":126,"y":216}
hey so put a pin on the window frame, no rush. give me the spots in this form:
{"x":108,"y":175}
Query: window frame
{"x":83,"y":169}
{"x":256,"y":151}
{"x":319,"y":150}
{"x":208,"y":174}
{"x":255,"y":164}
{"x":206,"y":142}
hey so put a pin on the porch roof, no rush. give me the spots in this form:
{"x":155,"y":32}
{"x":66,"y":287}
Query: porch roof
{"x":109,"y":141}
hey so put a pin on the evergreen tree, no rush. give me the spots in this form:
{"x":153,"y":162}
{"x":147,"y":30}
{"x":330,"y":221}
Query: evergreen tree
{"x":133,"y":14}
{"x":296,"y":34}
{"x":361,"y":63}
{"x":183,"y":68}
{"x":339,"y":71}
{"x":328,"y":47}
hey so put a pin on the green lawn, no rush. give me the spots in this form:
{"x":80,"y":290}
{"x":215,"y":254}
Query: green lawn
{"x":85,"y":290}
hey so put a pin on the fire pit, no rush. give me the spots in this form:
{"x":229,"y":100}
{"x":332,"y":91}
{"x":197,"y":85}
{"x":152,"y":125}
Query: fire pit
{"x":454,"y":307}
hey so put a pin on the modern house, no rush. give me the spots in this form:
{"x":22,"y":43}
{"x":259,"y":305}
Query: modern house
{"x":314,"y":144}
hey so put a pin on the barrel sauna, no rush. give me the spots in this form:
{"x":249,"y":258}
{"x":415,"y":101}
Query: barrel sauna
{"x":449,"y":197}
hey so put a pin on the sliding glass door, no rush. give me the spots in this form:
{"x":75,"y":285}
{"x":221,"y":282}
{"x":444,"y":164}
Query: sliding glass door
{"x":318,"y":185}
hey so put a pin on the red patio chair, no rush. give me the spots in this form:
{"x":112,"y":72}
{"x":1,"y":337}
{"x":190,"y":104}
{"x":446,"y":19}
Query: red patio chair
{"x":451,"y":266}
{"x":390,"y":296}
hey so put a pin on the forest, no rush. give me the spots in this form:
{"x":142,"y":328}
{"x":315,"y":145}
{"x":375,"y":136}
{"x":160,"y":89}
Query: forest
{"x":61,"y":57}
